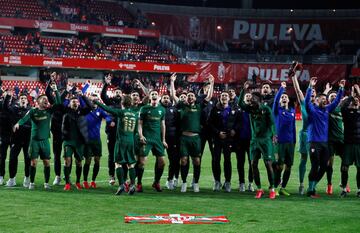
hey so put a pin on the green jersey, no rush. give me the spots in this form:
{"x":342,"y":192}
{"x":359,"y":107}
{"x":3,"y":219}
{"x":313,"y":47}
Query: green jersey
{"x":40,"y":120}
{"x":152,"y":117}
{"x":126,"y":121}
{"x":261,"y":120}
{"x":40,"y":123}
{"x":262,"y":123}
{"x":336,"y":128}
{"x":190,"y":117}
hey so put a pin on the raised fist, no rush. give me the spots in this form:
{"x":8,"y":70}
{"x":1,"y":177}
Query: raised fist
{"x":173,"y":77}
{"x":246,"y":85}
{"x":342,"y":83}
{"x":211,"y":78}
{"x":313,"y":81}
{"x":53,"y":76}
{"x":108,"y":79}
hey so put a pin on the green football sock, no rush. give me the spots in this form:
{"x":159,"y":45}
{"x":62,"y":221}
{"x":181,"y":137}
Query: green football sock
{"x":32,"y":174}
{"x":96,"y":169}
{"x":120,"y":175}
{"x":78,"y":171}
{"x":67,"y":174}
{"x":86,"y":171}
{"x":47,"y":174}
{"x":132,"y":175}
{"x":302,"y":170}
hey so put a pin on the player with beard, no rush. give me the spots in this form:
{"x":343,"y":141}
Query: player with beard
{"x":224,"y":124}
{"x":303,"y":134}
{"x":262,"y":138}
{"x":40,"y":117}
{"x":234,"y":100}
{"x":124,"y":153}
{"x":152,"y":137}
{"x":190,"y":128}
{"x":336,"y":137}
{"x":171,"y":121}
{"x":183,"y":97}
{"x":286,"y":137}
{"x":110,"y":129}
{"x":318,"y":133}
{"x":267,"y":97}
{"x":351,"y":117}
{"x":20,"y":139}
{"x":75,"y":137}
{"x":93,"y":147}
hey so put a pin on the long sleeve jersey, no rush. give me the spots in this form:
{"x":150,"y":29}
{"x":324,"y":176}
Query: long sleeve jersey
{"x":319,"y":117}
{"x":284,"y":120}
{"x":94,"y":119}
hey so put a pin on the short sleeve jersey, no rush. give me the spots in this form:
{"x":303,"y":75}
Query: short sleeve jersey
{"x":40,"y":123}
{"x":127,"y":123}
{"x":152,"y":117}
{"x":190,"y":117}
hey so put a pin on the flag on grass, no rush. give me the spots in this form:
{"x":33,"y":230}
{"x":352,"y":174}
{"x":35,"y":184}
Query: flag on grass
{"x":175,"y":219}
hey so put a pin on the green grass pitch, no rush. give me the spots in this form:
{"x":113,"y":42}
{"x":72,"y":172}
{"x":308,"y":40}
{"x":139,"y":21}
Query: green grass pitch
{"x":100,"y":210}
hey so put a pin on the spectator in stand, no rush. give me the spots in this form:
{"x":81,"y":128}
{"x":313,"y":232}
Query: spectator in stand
{"x":2,"y":46}
{"x":29,"y":38}
{"x":83,"y":19}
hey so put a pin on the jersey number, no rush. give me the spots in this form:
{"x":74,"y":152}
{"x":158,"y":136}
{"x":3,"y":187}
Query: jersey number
{"x":129,"y":124}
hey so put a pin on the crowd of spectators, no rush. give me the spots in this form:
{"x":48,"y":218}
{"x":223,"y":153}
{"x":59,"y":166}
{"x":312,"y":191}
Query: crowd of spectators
{"x":92,"y":47}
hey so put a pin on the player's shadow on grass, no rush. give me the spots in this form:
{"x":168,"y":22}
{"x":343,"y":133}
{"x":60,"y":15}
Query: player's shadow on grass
{"x":149,"y":193}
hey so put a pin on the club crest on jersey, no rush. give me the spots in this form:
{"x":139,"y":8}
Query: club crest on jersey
{"x":159,"y":112}
{"x":171,"y":110}
{"x":98,"y":114}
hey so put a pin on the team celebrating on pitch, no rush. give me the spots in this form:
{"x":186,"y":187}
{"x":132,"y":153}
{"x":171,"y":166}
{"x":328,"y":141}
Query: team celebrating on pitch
{"x":253,"y":125}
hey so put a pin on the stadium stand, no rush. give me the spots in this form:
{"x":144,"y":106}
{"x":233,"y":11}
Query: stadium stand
{"x":76,"y":48}
{"x":30,"y":9}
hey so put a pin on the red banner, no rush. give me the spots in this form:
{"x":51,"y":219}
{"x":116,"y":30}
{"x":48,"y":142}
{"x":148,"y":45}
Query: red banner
{"x":223,"y":72}
{"x":276,"y":73}
{"x":95,"y":64}
{"x":206,"y":28}
{"x":75,"y":27}
{"x":355,"y":72}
